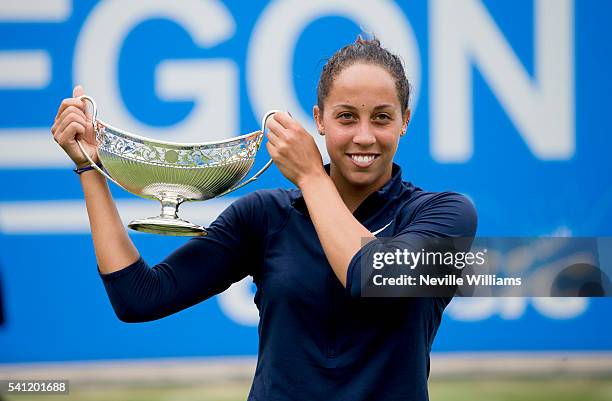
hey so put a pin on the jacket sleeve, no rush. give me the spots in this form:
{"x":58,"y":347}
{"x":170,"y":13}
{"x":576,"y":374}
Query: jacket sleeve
{"x":443,"y":215}
{"x":201,"y":268}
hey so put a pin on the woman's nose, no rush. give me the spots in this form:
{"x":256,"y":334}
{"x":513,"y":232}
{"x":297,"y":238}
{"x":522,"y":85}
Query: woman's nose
{"x":364,"y":137}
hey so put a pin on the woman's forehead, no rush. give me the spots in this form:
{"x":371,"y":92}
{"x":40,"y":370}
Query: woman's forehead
{"x":361,"y":71}
{"x":374,"y":106}
{"x":362,"y":84}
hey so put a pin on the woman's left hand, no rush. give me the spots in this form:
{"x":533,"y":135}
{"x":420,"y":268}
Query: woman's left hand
{"x":293,"y":149}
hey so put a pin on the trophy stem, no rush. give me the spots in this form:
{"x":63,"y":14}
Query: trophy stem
{"x":170,"y":207}
{"x":168,"y":222}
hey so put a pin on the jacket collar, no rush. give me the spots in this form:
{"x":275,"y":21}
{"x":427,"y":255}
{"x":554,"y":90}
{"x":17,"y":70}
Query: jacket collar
{"x":392,"y":189}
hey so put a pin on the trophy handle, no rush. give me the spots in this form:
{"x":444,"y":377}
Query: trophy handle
{"x":264,"y":120}
{"x":94,"y":121}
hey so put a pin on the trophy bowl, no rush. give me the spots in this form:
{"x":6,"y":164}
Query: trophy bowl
{"x":173,"y":173}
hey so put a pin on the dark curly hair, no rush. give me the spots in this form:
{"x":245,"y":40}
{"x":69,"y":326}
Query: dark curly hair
{"x":369,"y":52}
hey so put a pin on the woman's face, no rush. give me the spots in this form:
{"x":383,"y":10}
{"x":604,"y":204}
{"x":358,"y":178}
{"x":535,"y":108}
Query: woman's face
{"x":362,"y":121}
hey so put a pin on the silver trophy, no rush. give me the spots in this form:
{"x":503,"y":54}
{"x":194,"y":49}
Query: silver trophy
{"x":173,"y":173}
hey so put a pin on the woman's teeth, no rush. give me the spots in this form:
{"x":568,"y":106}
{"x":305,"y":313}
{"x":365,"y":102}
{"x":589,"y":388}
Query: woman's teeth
{"x":363,"y":160}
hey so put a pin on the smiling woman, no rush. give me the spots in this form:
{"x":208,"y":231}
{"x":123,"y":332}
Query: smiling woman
{"x":362,"y":109}
{"x":319,"y":338}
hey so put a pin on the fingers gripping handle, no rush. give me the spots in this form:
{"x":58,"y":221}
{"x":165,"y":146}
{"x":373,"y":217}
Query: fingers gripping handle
{"x":94,"y":121}
{"x":264,"y":121}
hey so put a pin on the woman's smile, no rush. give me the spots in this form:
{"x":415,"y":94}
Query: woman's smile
{"x":363,"y":160}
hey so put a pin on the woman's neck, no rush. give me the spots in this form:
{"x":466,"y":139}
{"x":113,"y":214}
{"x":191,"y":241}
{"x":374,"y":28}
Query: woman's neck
{"x":353,"y":195}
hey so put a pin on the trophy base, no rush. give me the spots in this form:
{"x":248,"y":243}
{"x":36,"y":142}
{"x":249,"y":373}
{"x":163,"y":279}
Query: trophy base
{"x":168,"y":226}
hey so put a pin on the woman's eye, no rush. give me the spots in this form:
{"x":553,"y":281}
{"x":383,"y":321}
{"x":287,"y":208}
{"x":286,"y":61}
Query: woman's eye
{"x":345,"y":116}
{"x":382,"y":117}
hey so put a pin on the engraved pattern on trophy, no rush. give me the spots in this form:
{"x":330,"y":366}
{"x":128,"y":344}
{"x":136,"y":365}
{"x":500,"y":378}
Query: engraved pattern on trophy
{"x":173,"y":173}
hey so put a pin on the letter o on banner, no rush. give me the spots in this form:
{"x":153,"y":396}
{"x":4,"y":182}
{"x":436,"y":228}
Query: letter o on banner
{"x":271,"y":50}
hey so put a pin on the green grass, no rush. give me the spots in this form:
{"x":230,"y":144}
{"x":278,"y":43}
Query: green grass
{"x":221,"y":392}
{"x":459,"y":389}
{"x":521,"y":389}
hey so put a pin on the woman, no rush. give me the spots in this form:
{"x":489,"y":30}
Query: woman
{"x":318,"y":338}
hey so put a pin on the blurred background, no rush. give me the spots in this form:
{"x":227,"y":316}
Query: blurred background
{"x":511,"y":104}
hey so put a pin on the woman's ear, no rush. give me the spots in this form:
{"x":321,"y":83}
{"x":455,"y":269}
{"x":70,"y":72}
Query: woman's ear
{"x":406,"y":120}
{"x":318,"y":117}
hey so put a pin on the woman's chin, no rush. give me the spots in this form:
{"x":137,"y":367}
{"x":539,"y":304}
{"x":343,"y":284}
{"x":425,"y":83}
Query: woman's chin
{"x":359,"y":178}
{"x":362,"y":179}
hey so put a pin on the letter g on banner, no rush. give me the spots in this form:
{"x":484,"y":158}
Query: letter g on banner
{"x":208,"y":22}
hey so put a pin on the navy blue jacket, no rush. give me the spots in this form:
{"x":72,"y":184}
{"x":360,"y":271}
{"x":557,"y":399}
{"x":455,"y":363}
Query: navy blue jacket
{"x":317,"y":340}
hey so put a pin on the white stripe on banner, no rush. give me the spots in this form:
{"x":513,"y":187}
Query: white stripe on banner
{"x":30,"y":148}
{"x":25,"y":69}
{"x":35,"y":10}
{"x":70,"y":216}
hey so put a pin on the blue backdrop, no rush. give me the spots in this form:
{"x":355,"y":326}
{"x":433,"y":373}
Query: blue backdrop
{"x":510,"y":106}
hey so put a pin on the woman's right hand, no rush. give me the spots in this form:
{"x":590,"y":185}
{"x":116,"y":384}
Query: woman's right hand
{"x":113,"y":248}
{"x":72,"y":122}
